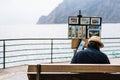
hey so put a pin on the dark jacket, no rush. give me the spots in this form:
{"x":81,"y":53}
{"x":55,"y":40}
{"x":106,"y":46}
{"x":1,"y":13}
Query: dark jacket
{"x":90,"y":56}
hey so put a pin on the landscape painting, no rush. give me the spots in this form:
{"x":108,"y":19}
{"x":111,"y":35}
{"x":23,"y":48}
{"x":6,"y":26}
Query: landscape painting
{"x":93,"y":32}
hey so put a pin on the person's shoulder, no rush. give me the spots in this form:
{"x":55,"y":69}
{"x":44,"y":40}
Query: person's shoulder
{"x":105,"y":55}
{"x":81,"y":52}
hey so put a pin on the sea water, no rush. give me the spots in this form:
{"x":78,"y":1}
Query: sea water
{"x":51,"y":31}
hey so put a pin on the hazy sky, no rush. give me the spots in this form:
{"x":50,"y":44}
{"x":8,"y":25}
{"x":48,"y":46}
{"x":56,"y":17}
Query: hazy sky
{"x":14,"y":12}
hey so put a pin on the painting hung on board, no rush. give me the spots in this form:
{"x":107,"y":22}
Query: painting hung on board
{"x":93,"y":32}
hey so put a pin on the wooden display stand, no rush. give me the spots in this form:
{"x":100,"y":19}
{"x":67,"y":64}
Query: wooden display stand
{"x":76,"y":42}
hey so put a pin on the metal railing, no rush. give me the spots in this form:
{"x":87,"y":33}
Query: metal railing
{"x":14,"y":52}
{"x":112,"y":47}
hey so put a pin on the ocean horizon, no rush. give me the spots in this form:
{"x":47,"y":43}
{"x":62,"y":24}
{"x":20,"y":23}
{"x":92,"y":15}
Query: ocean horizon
{"x":109,"y":30}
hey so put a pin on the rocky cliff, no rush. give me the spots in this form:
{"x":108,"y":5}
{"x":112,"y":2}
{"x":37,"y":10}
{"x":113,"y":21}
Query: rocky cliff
{"x":109,"y":10}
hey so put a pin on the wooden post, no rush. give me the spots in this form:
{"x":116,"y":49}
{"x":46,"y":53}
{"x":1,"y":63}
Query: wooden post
{"x":38,"y":72}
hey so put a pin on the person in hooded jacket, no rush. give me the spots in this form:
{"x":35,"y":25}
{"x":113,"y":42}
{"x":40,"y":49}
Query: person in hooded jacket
{"x":92,"y":54}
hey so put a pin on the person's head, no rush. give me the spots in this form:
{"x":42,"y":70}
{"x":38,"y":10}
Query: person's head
{"x":95,"y":42}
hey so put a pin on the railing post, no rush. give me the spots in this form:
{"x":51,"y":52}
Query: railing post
{"x":51,"y":50}
{"x":3,"y":54}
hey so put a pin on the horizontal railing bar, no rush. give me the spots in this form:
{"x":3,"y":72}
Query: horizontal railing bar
{"x":62,"y":52}
{"x":61,"y":57}
{"x":37,"y":54}
{"x":63,"y":61}
{"x":112,"y":46}
{"x":49,"y":49}
{"x":1,"y":63}
{"x":27,"y":55}
{"x":32,"y":49}
{"x":114,"y":54}
{"x":61,"y":48}
{"x":28,"y":44}
{"x":34,"y":59}
{"x":112,"y":50}
{"x":35,"y":44}
{"x":61,"y":43}
{"x":48,"y":39}
{"x":1,"y":57}
{"x":1,"y":46}
{"x":26,"y":50}
{"x":111,"y":38}
{"x":111,"y":42}
{"x":36,"y":39}
{"x":28,"y":60}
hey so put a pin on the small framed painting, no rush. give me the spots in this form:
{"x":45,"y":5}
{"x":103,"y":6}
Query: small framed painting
{"x":69,"y":31}
{"x":84,"y":20}
{"x":73,"y":20}
{"x":95,"y":20}
{"x":80,"y":32}
{"x":73,"y":35}
{"x":84,"y":32}
{"x":94,"y":27}
{"x":94,"y":32}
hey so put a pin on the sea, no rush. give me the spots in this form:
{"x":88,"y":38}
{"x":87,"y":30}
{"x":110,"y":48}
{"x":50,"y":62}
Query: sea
{"x":51,"y":31}
{"x":108,"y":30}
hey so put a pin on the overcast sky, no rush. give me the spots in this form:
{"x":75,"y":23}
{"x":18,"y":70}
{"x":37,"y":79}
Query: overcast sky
{"x":14,"y":12}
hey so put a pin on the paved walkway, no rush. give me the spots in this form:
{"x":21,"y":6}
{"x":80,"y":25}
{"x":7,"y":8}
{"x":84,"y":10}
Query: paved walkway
{"x":14,"y":73}
{"x":20,"y":72}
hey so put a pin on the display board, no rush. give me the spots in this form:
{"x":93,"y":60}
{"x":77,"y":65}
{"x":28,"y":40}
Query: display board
{"x":82,"y":28}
